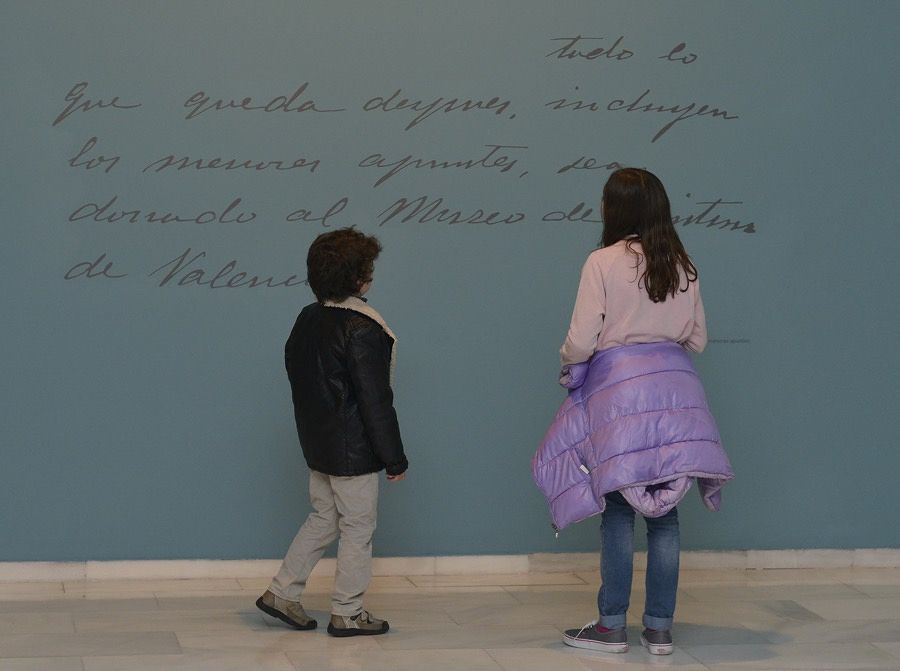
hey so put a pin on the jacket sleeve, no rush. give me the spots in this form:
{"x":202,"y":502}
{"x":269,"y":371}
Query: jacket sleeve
{"x":289,"y":345}
{"x":369,"y":351}
{"x":288,"y":351}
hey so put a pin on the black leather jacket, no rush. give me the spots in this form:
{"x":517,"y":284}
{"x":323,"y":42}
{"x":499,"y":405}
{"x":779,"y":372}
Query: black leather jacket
{"x":338,"y":364}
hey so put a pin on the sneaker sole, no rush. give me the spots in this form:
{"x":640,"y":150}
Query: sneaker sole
{"x":594,"y":645}
{"x":344,"y":633}
{"x":268,"y":610}
{"x":657,"y":648}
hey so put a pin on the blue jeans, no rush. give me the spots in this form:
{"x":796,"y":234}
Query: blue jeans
{"x":663,"y":545}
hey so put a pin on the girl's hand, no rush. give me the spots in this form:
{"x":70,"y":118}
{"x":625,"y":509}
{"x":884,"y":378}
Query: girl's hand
{"x":396,"y":478}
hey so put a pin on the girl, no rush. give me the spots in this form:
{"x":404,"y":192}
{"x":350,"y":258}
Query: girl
{"x":635,"y":430}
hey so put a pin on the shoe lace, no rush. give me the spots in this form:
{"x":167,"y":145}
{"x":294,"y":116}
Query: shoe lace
{"x":587,"y":626}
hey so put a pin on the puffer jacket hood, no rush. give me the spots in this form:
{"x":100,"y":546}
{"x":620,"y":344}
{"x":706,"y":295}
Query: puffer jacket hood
{"x":636,"y":421}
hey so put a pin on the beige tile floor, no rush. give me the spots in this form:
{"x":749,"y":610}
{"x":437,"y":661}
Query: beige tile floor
{"x":727,"y":619}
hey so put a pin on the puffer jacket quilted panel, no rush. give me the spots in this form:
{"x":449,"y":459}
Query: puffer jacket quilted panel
{"x":636,"y":420}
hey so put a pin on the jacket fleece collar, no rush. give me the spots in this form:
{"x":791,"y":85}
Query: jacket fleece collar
{"x":359,"y":305}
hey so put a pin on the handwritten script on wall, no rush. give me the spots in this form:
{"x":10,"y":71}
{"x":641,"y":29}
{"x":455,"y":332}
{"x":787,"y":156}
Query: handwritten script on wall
{"x":414,"y":111}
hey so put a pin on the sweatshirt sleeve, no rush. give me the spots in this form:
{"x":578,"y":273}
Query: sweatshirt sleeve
{"x":696,"y":341}
{"x":370,"y":364}
{"x":587,"y":317}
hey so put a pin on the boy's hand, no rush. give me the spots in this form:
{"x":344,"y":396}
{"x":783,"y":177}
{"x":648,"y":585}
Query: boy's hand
{"x":396,"y":478}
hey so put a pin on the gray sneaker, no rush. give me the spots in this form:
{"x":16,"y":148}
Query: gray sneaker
{"x":657,"y":642}
{"x":590,"y":638}
{"x":290,"y":612}
{"x":361,"y":624}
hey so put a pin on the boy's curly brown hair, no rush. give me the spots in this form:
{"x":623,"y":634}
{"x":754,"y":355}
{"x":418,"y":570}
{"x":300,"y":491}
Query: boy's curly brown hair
{"x":339,"y":262}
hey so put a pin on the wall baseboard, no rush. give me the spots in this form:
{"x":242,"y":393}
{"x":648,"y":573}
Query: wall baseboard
{"x":449,"y":565}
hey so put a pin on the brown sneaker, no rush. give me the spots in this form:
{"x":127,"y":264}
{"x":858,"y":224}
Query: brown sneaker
{"x":361,"y":624}
{"x":290,"y":612}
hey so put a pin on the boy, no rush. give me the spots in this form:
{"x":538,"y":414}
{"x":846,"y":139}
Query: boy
{"x":339,"y":359}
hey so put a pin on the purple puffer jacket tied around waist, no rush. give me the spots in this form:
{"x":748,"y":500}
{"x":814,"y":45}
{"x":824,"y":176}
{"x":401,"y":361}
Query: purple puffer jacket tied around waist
{"x":635,"y":421}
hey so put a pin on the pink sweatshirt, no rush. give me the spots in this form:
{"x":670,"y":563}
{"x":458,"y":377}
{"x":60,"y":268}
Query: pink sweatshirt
{"x":611,"y":308}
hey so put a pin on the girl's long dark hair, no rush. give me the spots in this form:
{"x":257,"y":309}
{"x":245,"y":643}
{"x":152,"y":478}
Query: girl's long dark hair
{"x":635,"y":204}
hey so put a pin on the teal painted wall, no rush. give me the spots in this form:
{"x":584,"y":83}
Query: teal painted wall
{"x":149,"y":421}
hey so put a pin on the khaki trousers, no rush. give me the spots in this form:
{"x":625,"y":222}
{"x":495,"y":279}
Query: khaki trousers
{"x":344,"y":507}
